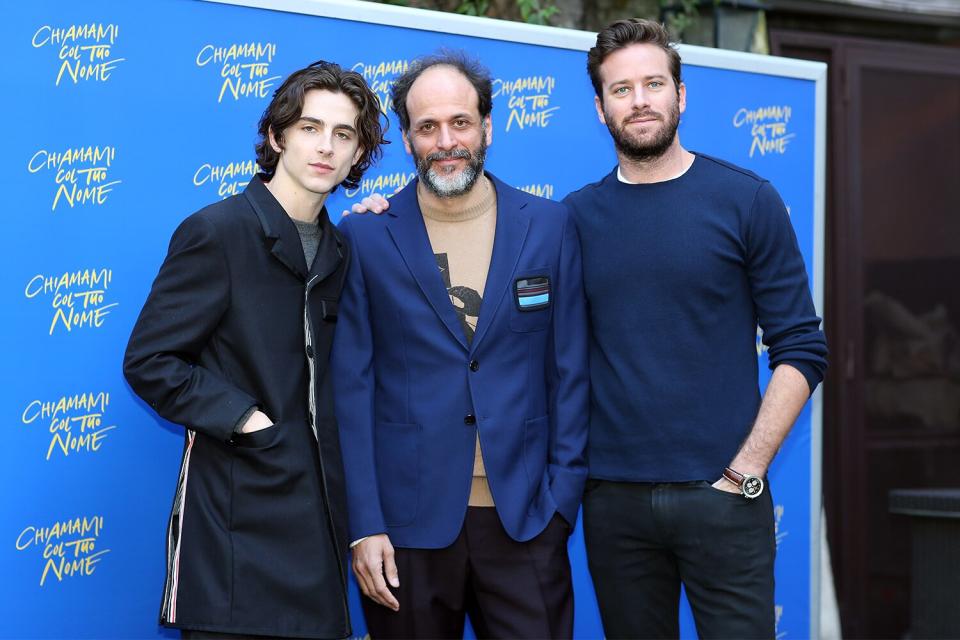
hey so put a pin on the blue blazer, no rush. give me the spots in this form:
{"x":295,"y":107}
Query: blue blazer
{"x":411,"y":394}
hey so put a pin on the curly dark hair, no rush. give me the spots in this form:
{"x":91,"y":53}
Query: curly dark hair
{"x":286,"y":107}
{"x":472,"y":70}
{"x":623,"y":33}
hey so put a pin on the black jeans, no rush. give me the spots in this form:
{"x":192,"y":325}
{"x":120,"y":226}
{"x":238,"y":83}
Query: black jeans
{"x":643,"y":540}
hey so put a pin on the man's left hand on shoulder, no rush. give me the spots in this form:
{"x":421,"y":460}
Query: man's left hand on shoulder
{"x":374,"y":203}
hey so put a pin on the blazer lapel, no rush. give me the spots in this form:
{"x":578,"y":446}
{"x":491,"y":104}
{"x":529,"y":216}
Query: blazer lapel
{"x":410,"y":235}
{"x":509,"y":236}
{"x":329,"y":253}
{"x":281,"y":234}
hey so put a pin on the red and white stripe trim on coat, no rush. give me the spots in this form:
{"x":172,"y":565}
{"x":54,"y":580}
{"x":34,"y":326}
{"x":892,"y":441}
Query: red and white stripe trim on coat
{"x":174,"y":536}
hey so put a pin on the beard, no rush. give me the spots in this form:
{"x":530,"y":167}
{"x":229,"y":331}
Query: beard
{"x":444,"y":185}
{"x":633,"y":147}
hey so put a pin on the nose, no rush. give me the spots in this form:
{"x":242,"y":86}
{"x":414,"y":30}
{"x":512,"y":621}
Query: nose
{"x":640,"y":98}
{"x":446,"y":140}
{"x":324,"y":144}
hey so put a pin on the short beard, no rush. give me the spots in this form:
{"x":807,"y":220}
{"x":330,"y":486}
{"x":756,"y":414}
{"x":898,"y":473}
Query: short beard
{"x":450,"y":187}
{"x":654,"y":148}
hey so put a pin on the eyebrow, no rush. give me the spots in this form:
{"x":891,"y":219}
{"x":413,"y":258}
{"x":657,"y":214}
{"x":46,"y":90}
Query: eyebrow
{"x":653,"y":76}
{"x":457,"y":116}
{"x":319,"y":122}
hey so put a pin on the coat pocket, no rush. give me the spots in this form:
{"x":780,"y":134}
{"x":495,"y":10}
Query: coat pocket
{"x":262,"y":439}
{"x":273,"y":478}
{"x":398,"y":471}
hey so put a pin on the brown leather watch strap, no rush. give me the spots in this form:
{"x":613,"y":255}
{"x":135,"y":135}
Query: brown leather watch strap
{"x":733,"y":476}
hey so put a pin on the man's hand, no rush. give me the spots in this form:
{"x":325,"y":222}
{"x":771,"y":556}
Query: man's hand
{"x":257,"y":421}
{"x":374,"y":202}
{"x":725,"y":485}
{"x":372,"y":558}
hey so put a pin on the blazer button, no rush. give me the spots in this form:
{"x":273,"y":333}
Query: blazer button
{"x":474,"y":365}
{"x":469,"y":419}
{"x":310,"y":351}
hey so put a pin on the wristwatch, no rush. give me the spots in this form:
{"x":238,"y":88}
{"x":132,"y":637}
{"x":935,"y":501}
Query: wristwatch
{"x":750,"y":486}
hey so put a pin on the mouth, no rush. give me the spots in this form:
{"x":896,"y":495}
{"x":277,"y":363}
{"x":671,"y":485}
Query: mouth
{"x":449,"y":157}
{"x":321,"y":167}
{"x":642,"y":120}
{"x":449,"y":164}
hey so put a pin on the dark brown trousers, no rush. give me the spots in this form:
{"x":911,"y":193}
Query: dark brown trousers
{"x":509,"y":589}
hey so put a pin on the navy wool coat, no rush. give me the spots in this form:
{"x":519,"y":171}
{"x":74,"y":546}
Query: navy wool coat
{"x":256,"y":540}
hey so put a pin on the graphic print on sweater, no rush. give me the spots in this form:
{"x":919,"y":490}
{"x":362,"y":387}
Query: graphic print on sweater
{"x":465,"y":301}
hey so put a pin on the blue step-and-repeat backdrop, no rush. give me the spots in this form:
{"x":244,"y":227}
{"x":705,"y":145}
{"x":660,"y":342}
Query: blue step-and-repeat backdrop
{"x":125,"y":117}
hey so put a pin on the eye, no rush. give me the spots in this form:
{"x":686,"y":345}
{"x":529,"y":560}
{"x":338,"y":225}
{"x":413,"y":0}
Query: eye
{"x":344,"y":135}
{"x":427,"y":127}
{"x":461,"y":123}
{"x":621,"y":91}
{"x":655,"y":84}
{"x":309,"y":128}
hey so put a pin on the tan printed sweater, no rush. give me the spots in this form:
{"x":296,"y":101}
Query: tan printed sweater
{"x":462,"y":243}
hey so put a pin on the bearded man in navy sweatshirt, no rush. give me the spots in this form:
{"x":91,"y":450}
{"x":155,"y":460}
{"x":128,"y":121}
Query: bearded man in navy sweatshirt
{"x":683,"y":256}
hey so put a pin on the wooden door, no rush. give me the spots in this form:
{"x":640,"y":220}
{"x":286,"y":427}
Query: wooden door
{"x":892,"y":306}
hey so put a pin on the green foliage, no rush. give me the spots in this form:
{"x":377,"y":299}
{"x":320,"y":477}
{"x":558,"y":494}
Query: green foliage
{"x":537,"y":11}
{"x":684,"y":14}
{"x":474,"y":7}
{"x":531,"y":11}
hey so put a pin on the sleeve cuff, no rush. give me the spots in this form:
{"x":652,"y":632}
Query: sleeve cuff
{"x":243,"y":419}
{"x":809,"y":371}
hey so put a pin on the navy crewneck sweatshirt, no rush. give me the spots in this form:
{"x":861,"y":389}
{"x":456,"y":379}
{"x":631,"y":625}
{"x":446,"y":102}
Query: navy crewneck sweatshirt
{"x":678,"y":275}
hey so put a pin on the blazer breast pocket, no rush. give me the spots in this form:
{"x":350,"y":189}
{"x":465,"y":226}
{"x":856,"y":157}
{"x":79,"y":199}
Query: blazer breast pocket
{"x":532,"y":301}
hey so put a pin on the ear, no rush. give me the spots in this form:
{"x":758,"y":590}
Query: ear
{"x":356,"y":156}
{"x":682,"y":98}
{"x":274,"y":143}
{"x":599,"y":106}
{"x":488,"y":127}
{"x":406,"y":142}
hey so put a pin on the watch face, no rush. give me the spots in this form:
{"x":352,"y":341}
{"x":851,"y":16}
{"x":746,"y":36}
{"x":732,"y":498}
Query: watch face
{"x":752,"y":486}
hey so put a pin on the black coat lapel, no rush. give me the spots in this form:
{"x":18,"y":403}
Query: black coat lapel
{"x":281,"y":234}
{"x":330,"y":252}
